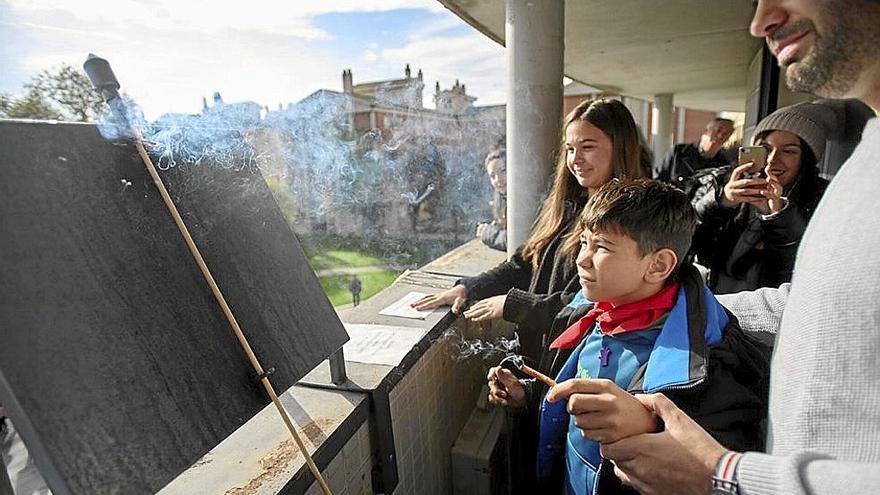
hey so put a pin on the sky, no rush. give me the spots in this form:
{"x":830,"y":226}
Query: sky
{"x":169,"y":54}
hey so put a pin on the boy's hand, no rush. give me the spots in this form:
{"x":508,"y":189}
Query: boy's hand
{"x":505,"y":389}
{"x":487,"y":309}
{"x":680,"y":459}
{"x":603,"y":411}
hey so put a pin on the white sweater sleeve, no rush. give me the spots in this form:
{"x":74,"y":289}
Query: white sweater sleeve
{"x":758,"y":310}
{"x":806,"y":473}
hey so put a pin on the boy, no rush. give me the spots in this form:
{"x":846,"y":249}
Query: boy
{"x":655,"y":328}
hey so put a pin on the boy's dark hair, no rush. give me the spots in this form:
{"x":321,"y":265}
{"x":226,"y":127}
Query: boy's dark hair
{"x":654,"y":214}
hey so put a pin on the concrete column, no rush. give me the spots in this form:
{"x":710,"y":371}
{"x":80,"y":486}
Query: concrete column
{"x":534,"y":39}
{"x":644,"y":120}
{"x":680,"y":121}
{"x":662,"y":131}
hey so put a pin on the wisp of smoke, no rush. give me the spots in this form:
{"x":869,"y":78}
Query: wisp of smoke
{"x":417,"y":171}
{"x":483,"y":349}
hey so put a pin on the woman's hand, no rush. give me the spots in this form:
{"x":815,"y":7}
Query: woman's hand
{"x":486,"y":309}
{"x":505,"y":389}
{"x":772,"y":195}
{"x":739,"y":190}
{"x":454,"y":296}
{"x":603,"y":411}
{"x":481,"y":228}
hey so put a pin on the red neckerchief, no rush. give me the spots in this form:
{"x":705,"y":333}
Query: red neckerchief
{"x":636,"y":315}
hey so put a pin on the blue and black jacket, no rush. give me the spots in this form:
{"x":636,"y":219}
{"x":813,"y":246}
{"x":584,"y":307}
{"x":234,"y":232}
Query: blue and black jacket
{"x":701,"y":360}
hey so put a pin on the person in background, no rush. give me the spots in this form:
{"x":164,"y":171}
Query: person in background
{"x":494,"y":233}
{"x":355,"y":287}
{"x":683,"y":160}
{"x":750,"y":228}
{"x":824,"y":412}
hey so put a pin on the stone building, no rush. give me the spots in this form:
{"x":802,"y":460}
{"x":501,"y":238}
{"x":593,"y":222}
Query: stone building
{"x":372,"y":160}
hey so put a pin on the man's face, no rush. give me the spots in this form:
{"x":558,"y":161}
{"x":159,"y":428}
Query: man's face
{"x":827,"y":47}
{"x":714,"y":136}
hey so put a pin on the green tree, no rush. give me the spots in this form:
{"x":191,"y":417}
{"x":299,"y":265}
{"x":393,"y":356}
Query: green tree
{"x":62,"y":94}
{"x":29,"y":106}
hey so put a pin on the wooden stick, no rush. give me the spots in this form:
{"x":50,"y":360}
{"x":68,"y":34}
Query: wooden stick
{"x":541,"y":377}
{"x":242,"y":340}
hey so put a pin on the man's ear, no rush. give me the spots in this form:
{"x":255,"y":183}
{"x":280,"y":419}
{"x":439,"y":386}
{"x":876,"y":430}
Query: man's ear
{"x":663,"y":263}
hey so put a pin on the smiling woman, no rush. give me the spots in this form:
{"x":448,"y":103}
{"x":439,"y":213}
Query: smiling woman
{"x":750,"y":228}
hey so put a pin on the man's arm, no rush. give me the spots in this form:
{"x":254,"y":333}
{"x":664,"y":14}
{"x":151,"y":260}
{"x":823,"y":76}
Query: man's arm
{"x":758,"y":311}
{"x":681,"y":459}
{"x":805,"y":473}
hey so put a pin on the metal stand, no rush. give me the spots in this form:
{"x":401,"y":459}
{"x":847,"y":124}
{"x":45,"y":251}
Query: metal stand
{"x":337,"y":368}
{"x":5,"y":482}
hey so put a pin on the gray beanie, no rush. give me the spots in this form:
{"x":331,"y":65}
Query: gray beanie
{"x":810,"y":121}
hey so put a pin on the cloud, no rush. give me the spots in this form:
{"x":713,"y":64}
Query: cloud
{"x":168,"y":54}
{"x":472,"y":59}
{"x":444,"y":23}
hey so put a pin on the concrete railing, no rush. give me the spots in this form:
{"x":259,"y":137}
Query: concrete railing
{"x":388,"y":429}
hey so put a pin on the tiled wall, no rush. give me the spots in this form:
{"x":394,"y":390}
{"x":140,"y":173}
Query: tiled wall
{"x":349,"y":472}
{"x":429,"y":407}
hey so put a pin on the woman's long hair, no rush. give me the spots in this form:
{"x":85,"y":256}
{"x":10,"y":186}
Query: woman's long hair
{"x":614,"y":119}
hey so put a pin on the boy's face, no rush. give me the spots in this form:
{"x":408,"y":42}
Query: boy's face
{"x":611,"y":269}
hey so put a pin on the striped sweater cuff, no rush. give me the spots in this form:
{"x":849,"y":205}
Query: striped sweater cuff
{"x":759,"y":474}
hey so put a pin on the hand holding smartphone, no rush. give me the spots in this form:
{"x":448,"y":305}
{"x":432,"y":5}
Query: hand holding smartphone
{"x":757,"y":156}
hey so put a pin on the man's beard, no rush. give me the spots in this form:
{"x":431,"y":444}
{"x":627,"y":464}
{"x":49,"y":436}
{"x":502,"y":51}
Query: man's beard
{"x":833,"y":65}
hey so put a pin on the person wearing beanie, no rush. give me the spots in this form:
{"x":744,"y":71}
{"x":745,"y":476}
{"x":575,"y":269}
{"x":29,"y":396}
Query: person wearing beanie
{"x":750,"y":227}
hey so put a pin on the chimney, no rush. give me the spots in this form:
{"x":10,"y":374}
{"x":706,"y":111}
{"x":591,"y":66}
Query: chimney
{"x":347,"y":84}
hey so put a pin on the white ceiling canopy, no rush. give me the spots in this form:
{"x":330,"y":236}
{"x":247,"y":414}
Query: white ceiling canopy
{"x":699,"y":50}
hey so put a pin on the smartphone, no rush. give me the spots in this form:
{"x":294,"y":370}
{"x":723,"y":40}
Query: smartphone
{"x":756,"y":155}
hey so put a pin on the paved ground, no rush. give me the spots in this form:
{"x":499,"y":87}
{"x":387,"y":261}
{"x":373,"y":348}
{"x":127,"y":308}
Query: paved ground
{"x":351,"y":270}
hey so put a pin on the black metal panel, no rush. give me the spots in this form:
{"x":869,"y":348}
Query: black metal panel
{"x":769,"y":90}
{"x":116,"y":363}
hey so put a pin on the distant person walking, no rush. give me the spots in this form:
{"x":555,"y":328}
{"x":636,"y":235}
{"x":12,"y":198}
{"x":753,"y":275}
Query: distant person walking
{"x":355,"y":287}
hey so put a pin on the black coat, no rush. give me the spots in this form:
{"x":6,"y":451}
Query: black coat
{"x":527,"y":288}
{"x":743,"y":251}
{"x":684,"y":160}
{"x":726,"y":394}
{"x":495,"y":233}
